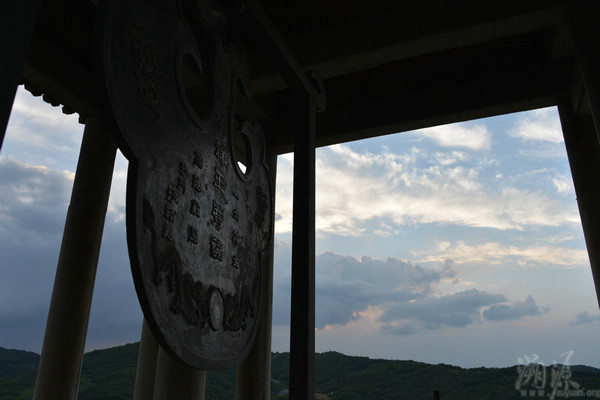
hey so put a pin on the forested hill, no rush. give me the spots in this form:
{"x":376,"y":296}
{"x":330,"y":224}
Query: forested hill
{"x":109,"y":375}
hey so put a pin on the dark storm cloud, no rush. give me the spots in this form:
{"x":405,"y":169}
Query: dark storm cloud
{"x":456,"y":310}
{"x":33,"y":203}
{"x":584,"y":318}
{"x":346,"y":286}
{"x":23,"y":331}
{"x":518,"y":310}
{"x":33,"y":206}
{"x":116,"y":316}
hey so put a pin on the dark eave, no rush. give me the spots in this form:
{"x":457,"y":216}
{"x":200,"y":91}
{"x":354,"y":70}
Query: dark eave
{"x":387,"y":66}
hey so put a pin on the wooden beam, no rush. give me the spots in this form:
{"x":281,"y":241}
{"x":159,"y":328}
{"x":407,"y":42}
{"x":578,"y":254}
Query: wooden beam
{"x":17,"y":22}
{"x":512,"y":92}
{"x":365,"y":44}
{"x":583,"y":151}
{"x":52,"y":71}
{"x":586,"y":34}
{"x":264,"y":33}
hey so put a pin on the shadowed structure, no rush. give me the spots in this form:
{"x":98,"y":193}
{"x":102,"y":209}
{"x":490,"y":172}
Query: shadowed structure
{"x":321,"y":72}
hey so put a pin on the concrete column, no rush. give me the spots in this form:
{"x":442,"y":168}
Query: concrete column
{"x":176,"y":380}
{"x":583,"y":151}
{"x":253,"y":379}
{"x":585,"y":32}
{"x":146,"y":366}
{"x":66,"y":328}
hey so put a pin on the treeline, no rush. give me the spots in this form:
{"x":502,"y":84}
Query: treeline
{"x":109,"y":375}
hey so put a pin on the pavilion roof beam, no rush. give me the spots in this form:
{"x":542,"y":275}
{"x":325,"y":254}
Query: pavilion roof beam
{"x":256,"y":22}
{"x":516,"y":91}
{"x":50,"y":71}
{"x":363,"y":45}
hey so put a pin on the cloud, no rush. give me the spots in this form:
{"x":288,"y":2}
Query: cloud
{"x":400,"y":329}
{"x":584,"y":318}
{"x":467,"y":136}
{"x":449,"y":158}
{"x":23,"y":330}
{"x":39,"y":133}
{"x":397,"y":295}
{"x":357,"y":187}
{"x":346,"y":286}
{"x":33,"y":202}
{"x":539,"y":125}
{"x":563,"y":184}
{"x":495,"y":253}
{"x":33,"y":206}
{"x":518,"y":310}
{"x":454,"y":310}
{"x":36,"y":111}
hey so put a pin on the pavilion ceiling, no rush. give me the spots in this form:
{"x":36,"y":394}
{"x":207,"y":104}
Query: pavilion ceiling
{"x":387,"y":66}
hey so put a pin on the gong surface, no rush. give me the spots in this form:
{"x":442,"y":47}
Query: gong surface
{"x":198,"y":191}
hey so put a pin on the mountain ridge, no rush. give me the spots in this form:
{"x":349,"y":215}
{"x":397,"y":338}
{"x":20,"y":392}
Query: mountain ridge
{"x":109,"y":374}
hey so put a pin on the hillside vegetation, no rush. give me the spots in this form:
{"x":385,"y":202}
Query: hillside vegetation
{"x":109,"y":375}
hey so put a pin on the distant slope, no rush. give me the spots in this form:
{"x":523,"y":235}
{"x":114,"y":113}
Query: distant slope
{"x":13,"y":362}
{"x":361,"y":378}
{"x":17,"y":373}
{"x":109,"y":375}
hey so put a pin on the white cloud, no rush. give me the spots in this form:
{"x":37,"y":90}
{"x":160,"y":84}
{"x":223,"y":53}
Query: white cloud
{"x":543,"y":150}
{"x":449,"y":158}
{"x":33,"y":200}
{"x":494,"y":253}
{"x":116,"y":204}
{"x":29,"y":111}
{"x":355,"y":187}
{"x":539,"y":125}
{"x":38,"y":133}
{"x":471,"y":137}
{"x":563,"y":184}
{"x":38,"y":112}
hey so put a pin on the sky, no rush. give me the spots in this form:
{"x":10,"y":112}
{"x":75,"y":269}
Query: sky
{"x":457,"y":244}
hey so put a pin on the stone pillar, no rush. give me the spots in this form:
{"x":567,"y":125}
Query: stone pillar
{"x":583,"y":151}
{"x":66,"y":328}
{"x":253,"y":379}
{"x":176,"y":380}
{"x":146,"y":366}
